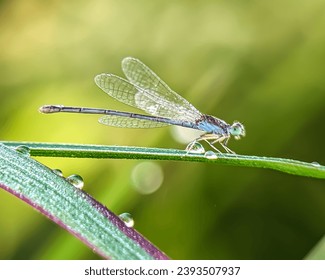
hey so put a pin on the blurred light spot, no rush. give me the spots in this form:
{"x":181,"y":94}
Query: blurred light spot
{"x":184,"y":135}
{"x":147,"y":177}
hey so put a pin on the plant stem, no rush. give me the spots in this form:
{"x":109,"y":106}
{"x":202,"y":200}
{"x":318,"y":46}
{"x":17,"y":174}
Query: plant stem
{"x":290,"y":166}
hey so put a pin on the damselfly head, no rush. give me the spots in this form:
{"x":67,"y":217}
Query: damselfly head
{"x":237,"y":130}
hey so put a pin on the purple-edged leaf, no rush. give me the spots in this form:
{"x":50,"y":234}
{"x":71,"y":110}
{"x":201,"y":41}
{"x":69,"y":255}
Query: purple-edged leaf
{"x":71,"y":208}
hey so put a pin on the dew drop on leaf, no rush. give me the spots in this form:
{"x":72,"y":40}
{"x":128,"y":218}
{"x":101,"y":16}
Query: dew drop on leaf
{"x":58,"y":172}
{"x":127,"y":219}
{"x":315,"y":164}
{"x":24,"y":150}
{"x":210,"y":155}
{"x":76,"y":180}
{"x":195,"y":148}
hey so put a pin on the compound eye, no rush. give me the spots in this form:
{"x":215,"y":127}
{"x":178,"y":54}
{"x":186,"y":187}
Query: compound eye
{"x":237,"y":130}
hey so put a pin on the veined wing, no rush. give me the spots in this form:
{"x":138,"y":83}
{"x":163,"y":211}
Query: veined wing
{"x":118,"y":88}
{"x":127,"y":122}
{"x":157,"y":98}
{"x":123,"y":91}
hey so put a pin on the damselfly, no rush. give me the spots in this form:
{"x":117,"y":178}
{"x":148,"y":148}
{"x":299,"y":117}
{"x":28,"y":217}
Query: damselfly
{"x":144,"y":90}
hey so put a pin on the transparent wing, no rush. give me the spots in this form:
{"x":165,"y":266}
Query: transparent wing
{"x":141,"y":75}
{"x":118,"y":88}
{"x":132,"y":95}
{"x":157,"y":98}
{"x":144,"y":99}
{"x":127,"y":122}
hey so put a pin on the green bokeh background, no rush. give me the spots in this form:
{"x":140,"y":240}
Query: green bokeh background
{"x":260,"y":62}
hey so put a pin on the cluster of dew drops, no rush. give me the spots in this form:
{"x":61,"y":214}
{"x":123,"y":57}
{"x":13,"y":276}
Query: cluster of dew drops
{"x":197,"y":148}
{"x":78,"y":182}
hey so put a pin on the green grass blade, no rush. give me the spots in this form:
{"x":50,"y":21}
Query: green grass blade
{"x":318,"y":252}
{"x":290,"y":166}
{"x":71,"y":208}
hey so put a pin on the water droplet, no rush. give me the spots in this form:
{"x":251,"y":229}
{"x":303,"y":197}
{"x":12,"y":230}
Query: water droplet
{"x":195,"y":148}
{"x":57,"y":172}
{"x":76,"y":180}
{"x":210,"y":155}
{"x":23,"y":150}
{"x":127,"y":219}
{"x":147,"y":177}
{"x":315,"y":164}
